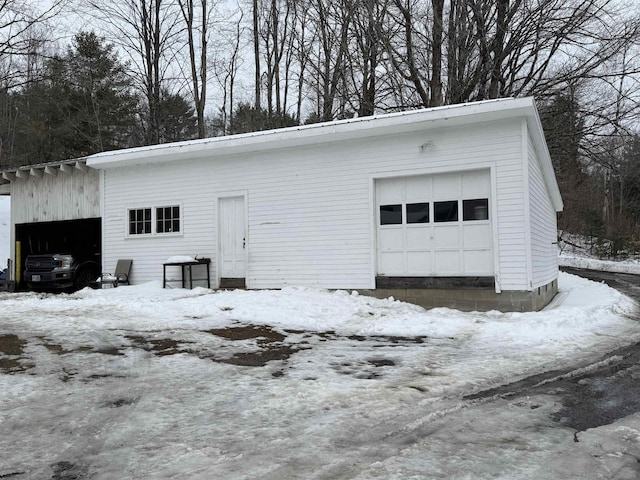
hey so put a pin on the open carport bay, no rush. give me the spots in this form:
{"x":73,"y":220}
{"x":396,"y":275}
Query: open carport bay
{"x":81,"y":238}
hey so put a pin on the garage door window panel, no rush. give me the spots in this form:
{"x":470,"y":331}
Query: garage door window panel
{"x":445,"y":211}
{"x":391,"y":214}
{"x":417,"y":213}
{"x":476,"y":209}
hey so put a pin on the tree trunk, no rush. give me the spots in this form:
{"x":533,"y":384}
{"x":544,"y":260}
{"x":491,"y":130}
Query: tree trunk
{"x":498,"y":49}
{"x":256,"y":54}
{"x":436,"y":54}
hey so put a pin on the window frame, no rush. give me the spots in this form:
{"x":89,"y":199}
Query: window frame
{"x":455,"y":211}
{"x":130,"y":222}
{"x":155,"y":208}
{"x":408,"y":215}
{"x":391,"y":205}
{"x":172,"y":219}
{"x":487,"y":205}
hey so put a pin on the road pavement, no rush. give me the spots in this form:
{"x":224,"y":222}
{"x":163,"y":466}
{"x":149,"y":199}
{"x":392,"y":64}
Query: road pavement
{"x":591,"y":395}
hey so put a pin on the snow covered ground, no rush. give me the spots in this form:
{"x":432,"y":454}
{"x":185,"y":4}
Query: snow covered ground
{"x":144,"y":383}
{"x":622,"y":266}
{"x":574,"y":252}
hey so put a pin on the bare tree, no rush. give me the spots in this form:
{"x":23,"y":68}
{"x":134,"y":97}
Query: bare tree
{"x":327,"y":61}
{"x":275,"y":35}
{"x":369,"y":18}
{"x":436,"y":53}
{"x":25,"y":38}
{"x":256,"y":52}
{"x":404,"y":50}
{"x":148,"y":31}
{"x":16,"y":21}
{"x":226,"y":64}
{"x":197,"y":39}
{"x":496,"y":48}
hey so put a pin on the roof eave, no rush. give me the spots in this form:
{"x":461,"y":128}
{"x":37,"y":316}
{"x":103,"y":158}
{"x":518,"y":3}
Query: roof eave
{"x":38,"y":170}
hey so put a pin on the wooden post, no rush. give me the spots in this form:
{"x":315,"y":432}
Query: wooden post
{"x":18,"y":262}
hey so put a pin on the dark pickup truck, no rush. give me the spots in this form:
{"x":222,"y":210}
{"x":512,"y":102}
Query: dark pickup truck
{"x":59,"y":272}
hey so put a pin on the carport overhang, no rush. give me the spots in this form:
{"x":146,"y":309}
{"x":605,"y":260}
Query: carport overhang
{"x":66,"y":167}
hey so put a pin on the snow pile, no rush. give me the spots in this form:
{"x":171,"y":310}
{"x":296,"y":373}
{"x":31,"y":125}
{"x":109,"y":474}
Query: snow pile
{"x":180,"y":259}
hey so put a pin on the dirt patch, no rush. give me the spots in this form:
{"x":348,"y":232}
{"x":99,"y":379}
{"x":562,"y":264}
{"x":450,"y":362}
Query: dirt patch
{"x":108,"y":351}
{"x":12,"y":346}
{"x":261,"y":333}
{"x":13,"y":365}
{"x":120,"y":402}
{"x":389,"y":339}
{"x":68,"y":471}
{"x":381,"y":362}
{"x":269,"y":342}
{"x":158,"y":346}
{"x":364,"y":369}
{"x":12,"y":474}
{"x":260,"y":357}
{"x":58,"y":349}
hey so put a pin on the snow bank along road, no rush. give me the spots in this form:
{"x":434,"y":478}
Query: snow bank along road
{"x":145,"y":383}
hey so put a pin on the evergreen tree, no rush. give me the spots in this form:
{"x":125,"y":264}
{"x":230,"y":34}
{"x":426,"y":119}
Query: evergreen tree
{"x":83,"y":105}
{"x":103,"y":106}
{"x":247,"y":118}
{"x":177,"y":118}
{"x":563,"y":125}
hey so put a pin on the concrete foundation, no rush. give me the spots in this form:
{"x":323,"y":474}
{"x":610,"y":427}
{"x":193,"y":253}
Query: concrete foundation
{"x":472,"y":299}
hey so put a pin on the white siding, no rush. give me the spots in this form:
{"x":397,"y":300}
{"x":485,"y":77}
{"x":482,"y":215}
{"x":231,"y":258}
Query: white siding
{"x":71,"y":196}
{"x":310,"y":209}
{"x":544,"y":252}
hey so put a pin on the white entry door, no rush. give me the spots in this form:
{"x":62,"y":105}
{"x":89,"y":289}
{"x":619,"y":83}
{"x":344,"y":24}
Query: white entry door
{"x":233,"y":237}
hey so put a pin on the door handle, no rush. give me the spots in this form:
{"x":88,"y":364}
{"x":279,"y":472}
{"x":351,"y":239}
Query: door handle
{"x":243,"y":242}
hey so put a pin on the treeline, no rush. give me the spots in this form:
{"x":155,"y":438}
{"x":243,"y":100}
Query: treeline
{"x":140,"y":72}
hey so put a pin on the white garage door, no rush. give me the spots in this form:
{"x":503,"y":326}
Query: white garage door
{"x":435,"y":225}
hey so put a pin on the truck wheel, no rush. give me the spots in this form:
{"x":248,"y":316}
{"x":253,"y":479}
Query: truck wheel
{"x":84,"y":277}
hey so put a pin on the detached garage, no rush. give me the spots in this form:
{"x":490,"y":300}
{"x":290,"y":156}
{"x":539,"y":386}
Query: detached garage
{"x":449,"y":206}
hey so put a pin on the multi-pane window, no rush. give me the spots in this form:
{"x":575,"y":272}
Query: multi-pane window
{"x":165,"y":219}
{"x":168,"y":219}
{"x":139,"y":221}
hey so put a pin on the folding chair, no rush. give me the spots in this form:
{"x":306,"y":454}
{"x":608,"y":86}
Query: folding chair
{"x":120,"y":276}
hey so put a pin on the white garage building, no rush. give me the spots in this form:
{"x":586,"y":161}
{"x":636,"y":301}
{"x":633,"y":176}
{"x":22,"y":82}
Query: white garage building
{"x":452,"y":206}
